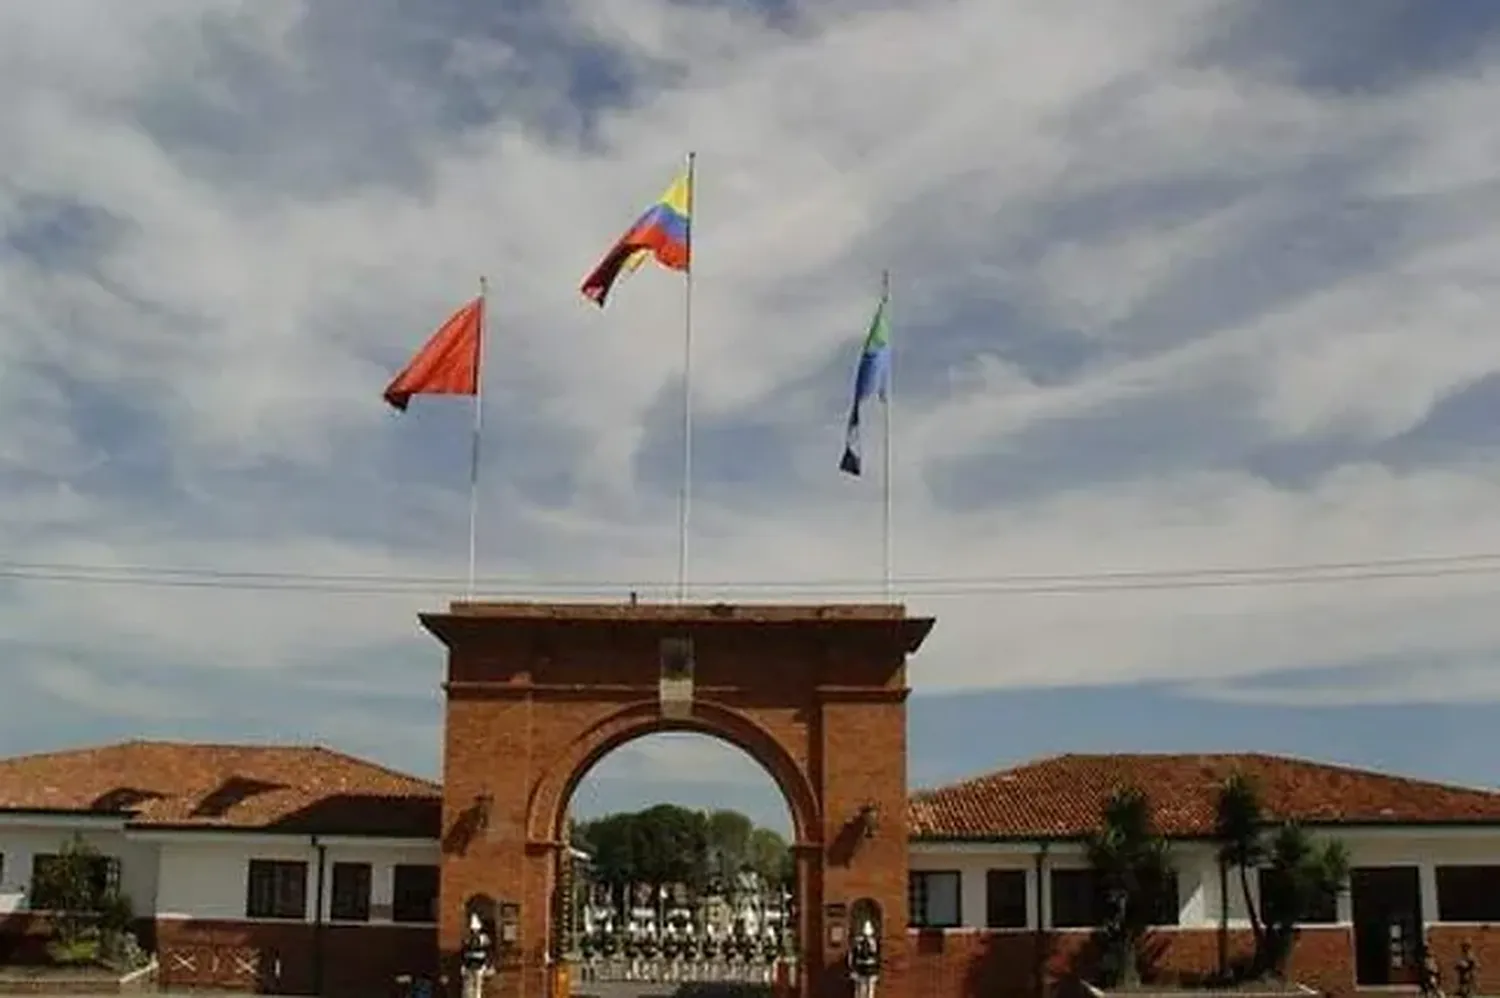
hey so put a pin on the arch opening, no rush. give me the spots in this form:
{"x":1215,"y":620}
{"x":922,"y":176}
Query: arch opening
{"x":677,"y":862}
{"x":547,"y":809}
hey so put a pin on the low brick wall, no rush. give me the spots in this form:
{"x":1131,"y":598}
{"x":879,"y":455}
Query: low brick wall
{"x":1485,"y":939}
{"x":282,"y":957}
{"x":985,"y":964}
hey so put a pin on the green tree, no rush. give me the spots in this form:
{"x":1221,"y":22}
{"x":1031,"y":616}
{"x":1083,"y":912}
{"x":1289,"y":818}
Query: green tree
{"x":611,"y":842}
{"x":78,"y":889}
{"x":1239,"y":820}
{"x":1297,"y":874}
{"x":728,"y":844}
{"x":769,"y":857}
{"x":1133,"y":864}
{"x":670,"y":845}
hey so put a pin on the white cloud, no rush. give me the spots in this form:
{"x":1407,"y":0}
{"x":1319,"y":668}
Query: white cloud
{"x":677,"y":756}
{"x":245,"y":307}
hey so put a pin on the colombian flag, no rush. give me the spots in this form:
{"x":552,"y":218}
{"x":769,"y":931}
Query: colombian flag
{"x":664,"y":231}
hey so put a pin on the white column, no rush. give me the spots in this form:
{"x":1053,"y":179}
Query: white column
{"x":972,"y":884}
{"x":1427,"y":889}
{"x":1044,"y":890}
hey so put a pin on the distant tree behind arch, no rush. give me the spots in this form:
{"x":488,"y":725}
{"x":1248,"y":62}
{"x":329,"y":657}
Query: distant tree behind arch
{"x":668,"y":844}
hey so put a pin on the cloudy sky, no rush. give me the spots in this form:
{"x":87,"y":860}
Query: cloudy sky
{"x":1193,"y":300}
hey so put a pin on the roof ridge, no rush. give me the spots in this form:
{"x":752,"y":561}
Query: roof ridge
{"x":1366,"y":771}
{"x":378,"y":766}
{"x":1272,"y":758}
{"x":991,"y":774}
{"x":58,"y":752}
{"x":189,"y":743}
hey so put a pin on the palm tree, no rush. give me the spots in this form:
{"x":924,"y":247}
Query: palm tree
{"x":1238,"y":822}
{"x":1299,"y":874}
{"x":1133,"y":863}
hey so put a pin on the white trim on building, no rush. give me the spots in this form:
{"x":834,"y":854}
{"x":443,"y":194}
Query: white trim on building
{"x":1423,"y":848}
{"x":188,"y":874}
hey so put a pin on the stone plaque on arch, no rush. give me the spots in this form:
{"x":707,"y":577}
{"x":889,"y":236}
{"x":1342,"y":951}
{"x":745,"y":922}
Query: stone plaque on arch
{"x":675,"y":687}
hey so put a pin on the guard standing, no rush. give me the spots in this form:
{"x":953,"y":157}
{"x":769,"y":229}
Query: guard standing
{"x":478,"y":957}
{"x":864,"y":961}
{"x":1465,"y":971}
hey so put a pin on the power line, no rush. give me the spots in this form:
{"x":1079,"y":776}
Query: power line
{"x":1075,"y":583}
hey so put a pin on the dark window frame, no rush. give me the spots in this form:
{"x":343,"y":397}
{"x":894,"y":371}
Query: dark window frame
{"x":271,"y":885}
{"x":1480,"y":885}
{"x":407,"y":897}
{"x":1166,"y":903}
{"x":1004,"y":910}
{"x":1325,"y":912}
{"x":350,"y":902}
{"x":1088,"y":893}
{"x":918,"y":895}
{"x":1088,"y":896}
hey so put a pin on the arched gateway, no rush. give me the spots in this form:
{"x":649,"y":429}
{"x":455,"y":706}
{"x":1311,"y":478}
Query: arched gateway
{"x":536,"y":693}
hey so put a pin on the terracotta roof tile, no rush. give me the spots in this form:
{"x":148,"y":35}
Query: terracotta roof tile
{"x":1062,"y":796}
{"x":281,"y":788}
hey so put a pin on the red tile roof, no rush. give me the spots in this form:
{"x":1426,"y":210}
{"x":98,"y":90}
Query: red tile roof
{"x":302,"y":789}
{"x":1062,"y":796}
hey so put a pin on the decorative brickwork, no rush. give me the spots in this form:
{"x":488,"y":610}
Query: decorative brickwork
{"x":536,"y":694}
{"x":1039,"y":964}
{"x":282,"y":958}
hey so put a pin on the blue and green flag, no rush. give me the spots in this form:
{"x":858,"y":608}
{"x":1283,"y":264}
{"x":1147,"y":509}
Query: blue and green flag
{"x":871,"y":378}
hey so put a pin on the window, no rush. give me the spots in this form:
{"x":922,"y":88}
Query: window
{"x":1164,"y":904}
{"x":1076,"y":901}
{"x":47,"y":882}
{"x":934,"y":899}
{"x":414,"y":892}
{"x":276,"y":889}
{"x":1321,"y":910}
{"x":1468,"y":893}
{"x":350,"y":901}
{"x":1005,"y":899}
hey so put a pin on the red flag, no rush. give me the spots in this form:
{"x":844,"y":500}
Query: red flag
{"x":448,"y":364}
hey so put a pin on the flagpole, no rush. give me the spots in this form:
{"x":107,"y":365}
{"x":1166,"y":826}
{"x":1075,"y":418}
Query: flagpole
{"x":484,"y":289}
{"x":685,"y":496}
{"x":890,"y":398}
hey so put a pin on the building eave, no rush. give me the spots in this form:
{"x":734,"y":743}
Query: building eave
{"x":61,"y":818}
{"x":1441,"y":826}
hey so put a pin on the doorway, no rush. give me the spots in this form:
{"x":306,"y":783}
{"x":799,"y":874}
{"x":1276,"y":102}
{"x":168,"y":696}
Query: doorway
{"x":1387,"y":903}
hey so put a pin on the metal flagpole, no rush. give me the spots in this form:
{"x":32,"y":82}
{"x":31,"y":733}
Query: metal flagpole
{"x":890,"y":395}
{"x":484,"y":309}
{"x":685,"y":497}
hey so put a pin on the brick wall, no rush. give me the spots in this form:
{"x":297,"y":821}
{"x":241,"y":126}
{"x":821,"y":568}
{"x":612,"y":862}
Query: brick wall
{"x":971,"y":964}
{"x":533,"y":704}
{"x":282,"y":958}
{"x":1446,"y":940}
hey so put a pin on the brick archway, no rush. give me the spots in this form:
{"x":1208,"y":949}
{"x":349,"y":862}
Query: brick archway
{"x":549,"y":801}
{"x":538,"y":693}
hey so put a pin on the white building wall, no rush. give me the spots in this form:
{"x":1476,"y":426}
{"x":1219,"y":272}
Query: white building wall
{"x":207,"y":876}
{"x":203,"y":875}
{"x":1197,"y":869}
{"x":24,"y":838}
{"x":383,"y":860}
